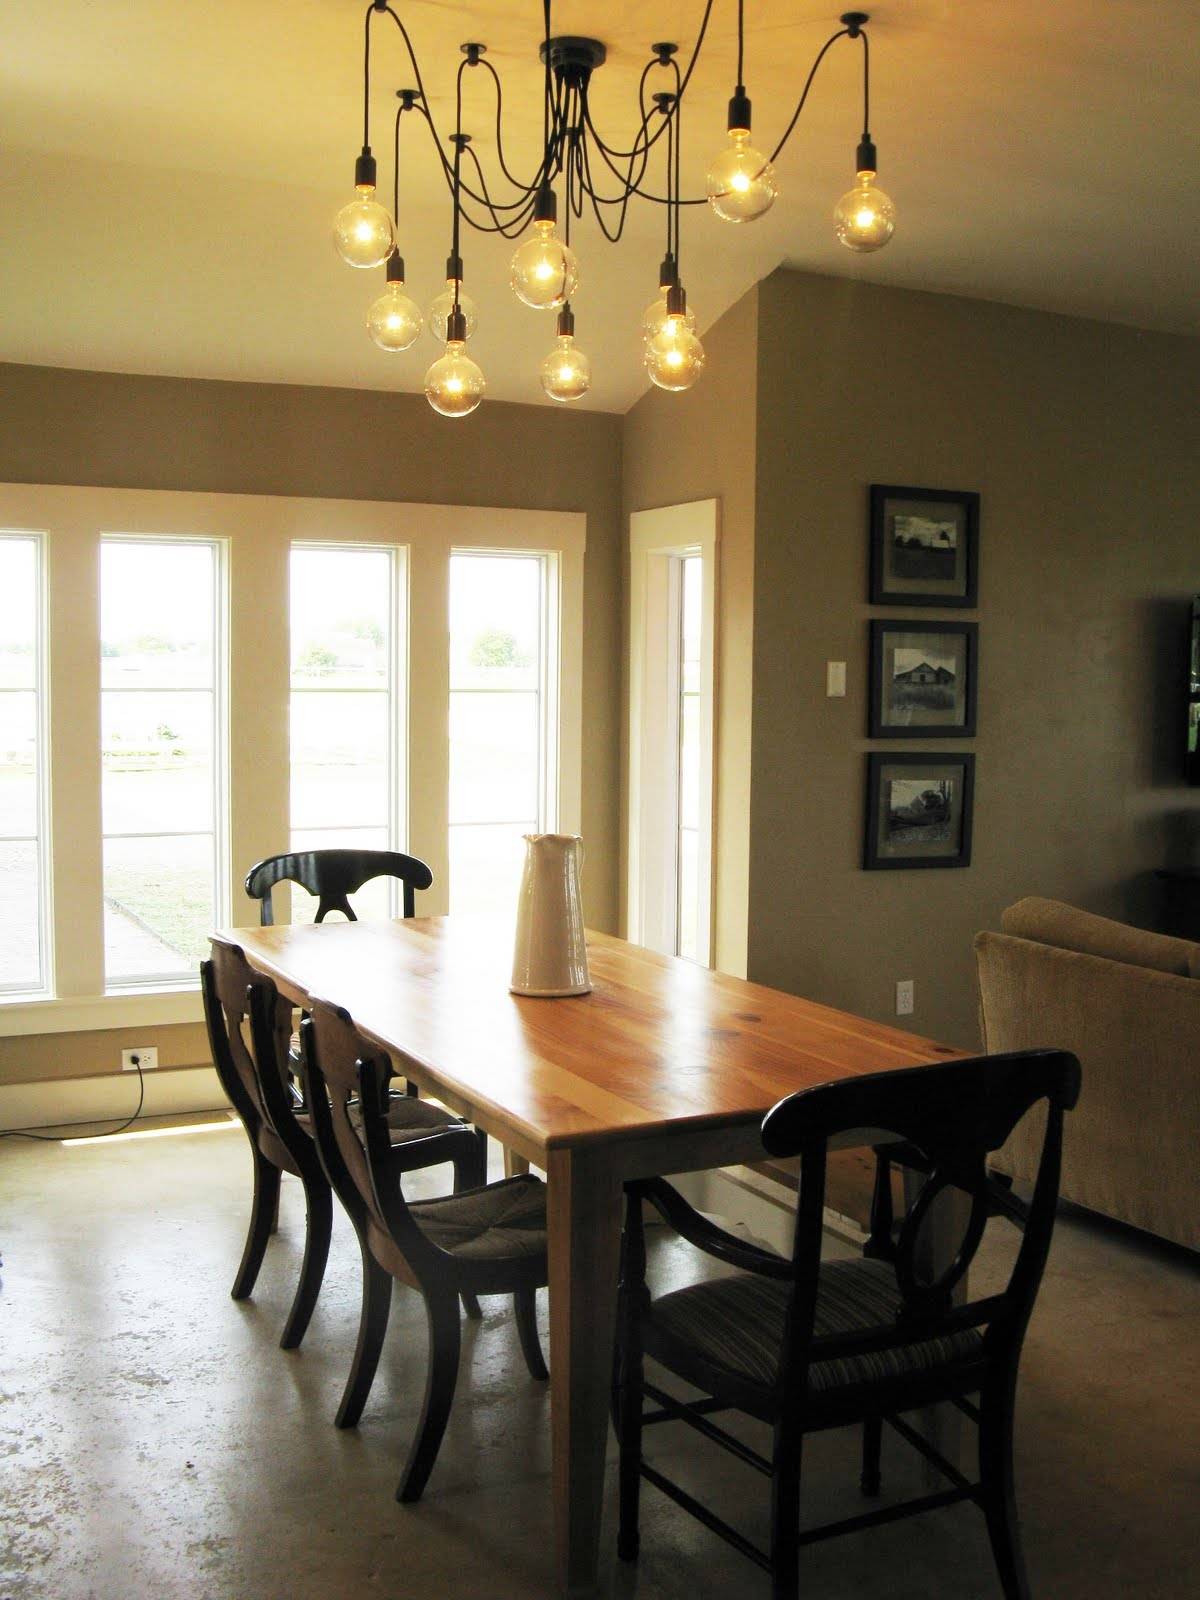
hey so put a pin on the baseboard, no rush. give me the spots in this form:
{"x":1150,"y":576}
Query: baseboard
{"x":63,"y":1101}
{"x":765,"y":1208}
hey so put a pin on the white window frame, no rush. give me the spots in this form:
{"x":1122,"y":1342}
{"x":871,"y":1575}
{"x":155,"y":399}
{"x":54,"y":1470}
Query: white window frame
{"x":45,"y":928}
{"x":397,"y":693}
{"x":549,"y":689}
{"x":141,"y":982}
{"x":659,"y":539}
{"x":260,"y":530}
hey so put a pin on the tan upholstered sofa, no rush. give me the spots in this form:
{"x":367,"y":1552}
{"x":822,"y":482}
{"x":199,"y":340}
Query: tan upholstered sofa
{"x":1127,"y":1003}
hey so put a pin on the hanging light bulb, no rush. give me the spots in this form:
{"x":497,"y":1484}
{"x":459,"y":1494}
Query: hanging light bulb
{"x":363,"y":234}
{"x":544,"y":272}
{"x":655,"y":315}
{"x":566,"y":371}
{"x":394,"y":320}
{"x":675,"y":356}
{"x":741,"y":181}
{"x":865,"y":218}
{"x":454,"y":384}
{"x":442,"y":304}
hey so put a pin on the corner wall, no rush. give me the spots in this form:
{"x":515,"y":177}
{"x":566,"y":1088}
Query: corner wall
{"x":1082,"y":439}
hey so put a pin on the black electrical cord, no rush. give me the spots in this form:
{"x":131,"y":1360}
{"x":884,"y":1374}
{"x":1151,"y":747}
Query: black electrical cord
{"x":56,"y":1138}
{"x":569,"y":132}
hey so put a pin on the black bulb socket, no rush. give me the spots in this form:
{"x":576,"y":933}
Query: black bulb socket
{"x":364,"y":169}
{"x":866,"y":160}
{"x":739,"y":110}
{"x":668,"y":272}
{"x":456,"y":327}
{"x":677,"y":301}
{"x":566,"y":322}
{"x":395,"y":267}
{"x":545,"y":207}
{"x":454,"y":268}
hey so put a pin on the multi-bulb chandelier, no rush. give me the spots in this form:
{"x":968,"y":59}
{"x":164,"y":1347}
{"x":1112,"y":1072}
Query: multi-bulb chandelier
{"x":590,"y":172}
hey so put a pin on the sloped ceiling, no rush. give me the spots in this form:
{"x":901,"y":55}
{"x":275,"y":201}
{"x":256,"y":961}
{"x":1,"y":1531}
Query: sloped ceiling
{"x":168,"y":173}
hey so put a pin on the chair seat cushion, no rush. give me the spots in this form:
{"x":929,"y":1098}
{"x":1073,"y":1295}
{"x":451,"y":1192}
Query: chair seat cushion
{"x":736,"y":1324}
{"x":408,"y":1118}
{"x":500,"y":1221}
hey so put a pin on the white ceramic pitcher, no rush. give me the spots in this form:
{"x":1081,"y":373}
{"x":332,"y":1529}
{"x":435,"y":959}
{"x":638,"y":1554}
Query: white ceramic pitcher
{"x":550,"y":956}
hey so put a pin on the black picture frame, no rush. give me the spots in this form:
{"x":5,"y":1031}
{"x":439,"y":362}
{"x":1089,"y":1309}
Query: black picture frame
{"x":924,"y":546}
{"x":904,"y":828}
{"x":923,"y":680}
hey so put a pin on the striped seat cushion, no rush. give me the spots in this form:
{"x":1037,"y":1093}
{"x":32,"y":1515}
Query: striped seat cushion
{"x":736,"y":1323}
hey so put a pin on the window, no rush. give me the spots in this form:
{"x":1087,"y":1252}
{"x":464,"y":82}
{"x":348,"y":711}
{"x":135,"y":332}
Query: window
{"x":687,"y":787}
{"x":23,"y":960}
{"x":346,"y":727}
{"x":672,"y":626}
{"x":162,"y":679}
{"x":503,"y":692}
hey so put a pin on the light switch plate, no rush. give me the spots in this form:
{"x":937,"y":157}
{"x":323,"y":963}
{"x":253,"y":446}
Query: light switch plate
{"x":835,"y":679}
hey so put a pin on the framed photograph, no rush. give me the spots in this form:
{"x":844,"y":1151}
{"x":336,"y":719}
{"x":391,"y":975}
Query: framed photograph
{"x":923,"y":677}
{"x":924,"y":546}
{"x":918,"y":810}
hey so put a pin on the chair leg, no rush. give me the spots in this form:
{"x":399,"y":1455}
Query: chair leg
{"x":372,"y":1325}
{"x":629,"y":1435}
{"x":470,"y":1172}
{"x":999,"y":1496}
{"x":262,"y":1220}
{"x":318,"y":1224}
{"x":525,"y":1312}
{"x":441,"y":1311}
{"x":872,"y":1448}
{"x":785,"y":1511}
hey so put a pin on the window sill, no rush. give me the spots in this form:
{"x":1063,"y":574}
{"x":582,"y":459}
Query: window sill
{"x":93,"y":1013}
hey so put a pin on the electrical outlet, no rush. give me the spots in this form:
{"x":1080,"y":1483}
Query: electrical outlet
{"x":905,"y":997}
{"x":144,"y":1056}
{"x":835,"y":679}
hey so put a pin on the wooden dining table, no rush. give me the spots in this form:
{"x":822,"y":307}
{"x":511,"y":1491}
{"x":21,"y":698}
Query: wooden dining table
{"x":665,"y":1067}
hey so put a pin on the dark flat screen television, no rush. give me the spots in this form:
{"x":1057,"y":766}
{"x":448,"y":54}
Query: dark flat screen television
{"x":1193,"y":724}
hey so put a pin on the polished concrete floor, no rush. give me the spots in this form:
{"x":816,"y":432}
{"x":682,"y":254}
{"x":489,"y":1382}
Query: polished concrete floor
{"x":155,"y":1442}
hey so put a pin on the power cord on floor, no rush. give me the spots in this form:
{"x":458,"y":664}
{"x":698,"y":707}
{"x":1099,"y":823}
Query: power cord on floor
{"x":55,"y":1138}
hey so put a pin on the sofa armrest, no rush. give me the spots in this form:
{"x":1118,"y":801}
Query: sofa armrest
{"x":1129,"y":1146}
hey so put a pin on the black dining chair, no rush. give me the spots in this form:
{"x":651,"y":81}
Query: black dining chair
{"x":489,"y":1240}
{"x":333,"y":875}
{"x":249,"y":1026}
{"x":803,"y":1345}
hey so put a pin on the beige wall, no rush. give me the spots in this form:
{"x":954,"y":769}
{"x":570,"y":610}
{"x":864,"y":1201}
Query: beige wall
{"x":1082,"y":439}
{"x":111,"y":430}
{"x":700,"y":446}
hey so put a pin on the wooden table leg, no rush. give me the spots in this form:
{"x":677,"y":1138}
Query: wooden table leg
{"x":585,"y":1235}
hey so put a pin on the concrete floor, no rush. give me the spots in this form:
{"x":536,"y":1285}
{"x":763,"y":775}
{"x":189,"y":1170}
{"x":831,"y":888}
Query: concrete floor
{"x":155,"y":1442}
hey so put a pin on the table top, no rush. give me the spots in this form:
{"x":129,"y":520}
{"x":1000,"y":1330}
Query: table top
{"x":658,"y":1042}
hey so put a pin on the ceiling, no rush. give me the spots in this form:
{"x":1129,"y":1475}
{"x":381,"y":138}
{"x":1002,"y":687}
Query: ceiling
{"x":168,"y":173}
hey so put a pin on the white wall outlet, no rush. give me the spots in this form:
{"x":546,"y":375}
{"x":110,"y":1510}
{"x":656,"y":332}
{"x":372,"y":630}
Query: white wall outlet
{"x":835,"y":679}
{"x":144,"y":1056}
{"x":904,"y":997}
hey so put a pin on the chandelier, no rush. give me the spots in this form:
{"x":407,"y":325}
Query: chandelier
{"x":591,"y":175}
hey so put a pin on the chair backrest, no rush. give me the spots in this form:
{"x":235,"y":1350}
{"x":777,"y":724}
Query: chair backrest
{"x":343,"y":1070}
{"x":249,"y":1024}
{"x":955,"y":1114}
{"x":332,"y":875}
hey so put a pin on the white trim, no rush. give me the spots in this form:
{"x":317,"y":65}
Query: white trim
{"x":92,"y":1013}
{"x":260,"y":530}
{"x":657,"y":538}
